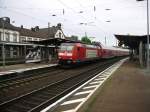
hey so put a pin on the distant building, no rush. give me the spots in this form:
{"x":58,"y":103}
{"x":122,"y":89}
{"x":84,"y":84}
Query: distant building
{"x":36,"y":33}
{"x":16,"y":41}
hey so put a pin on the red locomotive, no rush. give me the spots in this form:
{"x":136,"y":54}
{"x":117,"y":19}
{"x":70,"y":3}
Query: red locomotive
{"x":71,"y":53}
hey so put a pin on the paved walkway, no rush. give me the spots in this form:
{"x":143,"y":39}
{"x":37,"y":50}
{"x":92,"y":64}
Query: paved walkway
{"x":127,"y":91}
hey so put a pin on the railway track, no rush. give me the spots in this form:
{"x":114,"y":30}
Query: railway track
{"x":26,"y":74}
{"x":11,"y":85}
{"x":40,"y":98}
{"x":26,"y":78}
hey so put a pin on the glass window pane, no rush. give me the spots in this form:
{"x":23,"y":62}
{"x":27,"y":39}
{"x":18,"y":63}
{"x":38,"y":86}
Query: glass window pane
{"x":14,"y":37}
{"x":7,"y":37}
{"x":66,"y":48}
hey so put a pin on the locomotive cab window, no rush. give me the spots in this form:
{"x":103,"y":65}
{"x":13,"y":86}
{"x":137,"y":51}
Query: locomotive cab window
{"x":66,"y":47}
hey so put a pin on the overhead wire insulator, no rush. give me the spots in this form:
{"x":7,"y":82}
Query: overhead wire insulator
{"x":63,"y":12}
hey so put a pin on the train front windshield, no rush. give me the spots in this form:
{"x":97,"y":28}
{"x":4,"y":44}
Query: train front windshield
{"x":66,"y":47}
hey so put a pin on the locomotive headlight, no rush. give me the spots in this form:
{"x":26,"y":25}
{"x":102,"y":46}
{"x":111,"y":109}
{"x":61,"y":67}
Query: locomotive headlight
{"x":61,"y":54}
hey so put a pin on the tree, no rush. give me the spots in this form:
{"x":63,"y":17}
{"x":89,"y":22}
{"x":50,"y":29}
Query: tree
{"x":86,"y":40}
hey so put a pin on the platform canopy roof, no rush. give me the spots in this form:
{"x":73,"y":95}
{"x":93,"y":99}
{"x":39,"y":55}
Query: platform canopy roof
{"x":53,"y":41}
{"x":131,"y":41}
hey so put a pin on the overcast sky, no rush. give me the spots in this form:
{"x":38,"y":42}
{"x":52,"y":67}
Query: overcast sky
{"x":125,"y":16}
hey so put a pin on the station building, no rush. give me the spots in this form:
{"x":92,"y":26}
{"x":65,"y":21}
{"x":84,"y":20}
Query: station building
{"x":16,"y":43}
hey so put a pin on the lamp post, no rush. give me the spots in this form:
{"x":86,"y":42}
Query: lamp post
{"x":148,"y":35}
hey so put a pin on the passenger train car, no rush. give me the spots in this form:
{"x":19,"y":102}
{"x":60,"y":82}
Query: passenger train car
{"x":71,"y":53}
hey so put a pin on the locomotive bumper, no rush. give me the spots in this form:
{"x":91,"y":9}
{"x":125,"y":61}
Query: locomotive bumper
{"x":68,"y":62}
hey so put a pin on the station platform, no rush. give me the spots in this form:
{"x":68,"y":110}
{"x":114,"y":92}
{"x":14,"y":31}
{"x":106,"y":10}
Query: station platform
{"x":123,"y":87}
{"x":10,"y":69}
{"x":128,"y":90}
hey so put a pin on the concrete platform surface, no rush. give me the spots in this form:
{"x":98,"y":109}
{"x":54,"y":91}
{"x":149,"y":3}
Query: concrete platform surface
{"x":128,"y":90}
{"x":23,"y":67}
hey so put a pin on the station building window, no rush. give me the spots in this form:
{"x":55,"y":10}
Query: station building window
{"x":29,"y":38}
{"x":15,"y":52}
{"x":7,"y":37}
{"x":7,"y":51}
{"x":11,"y":52}
{"x":14,"y":37}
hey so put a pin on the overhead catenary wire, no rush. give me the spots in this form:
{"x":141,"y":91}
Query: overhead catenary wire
{"x":77,"y":12}
{"x":96,"y":18}
{"x":33,"y":17}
